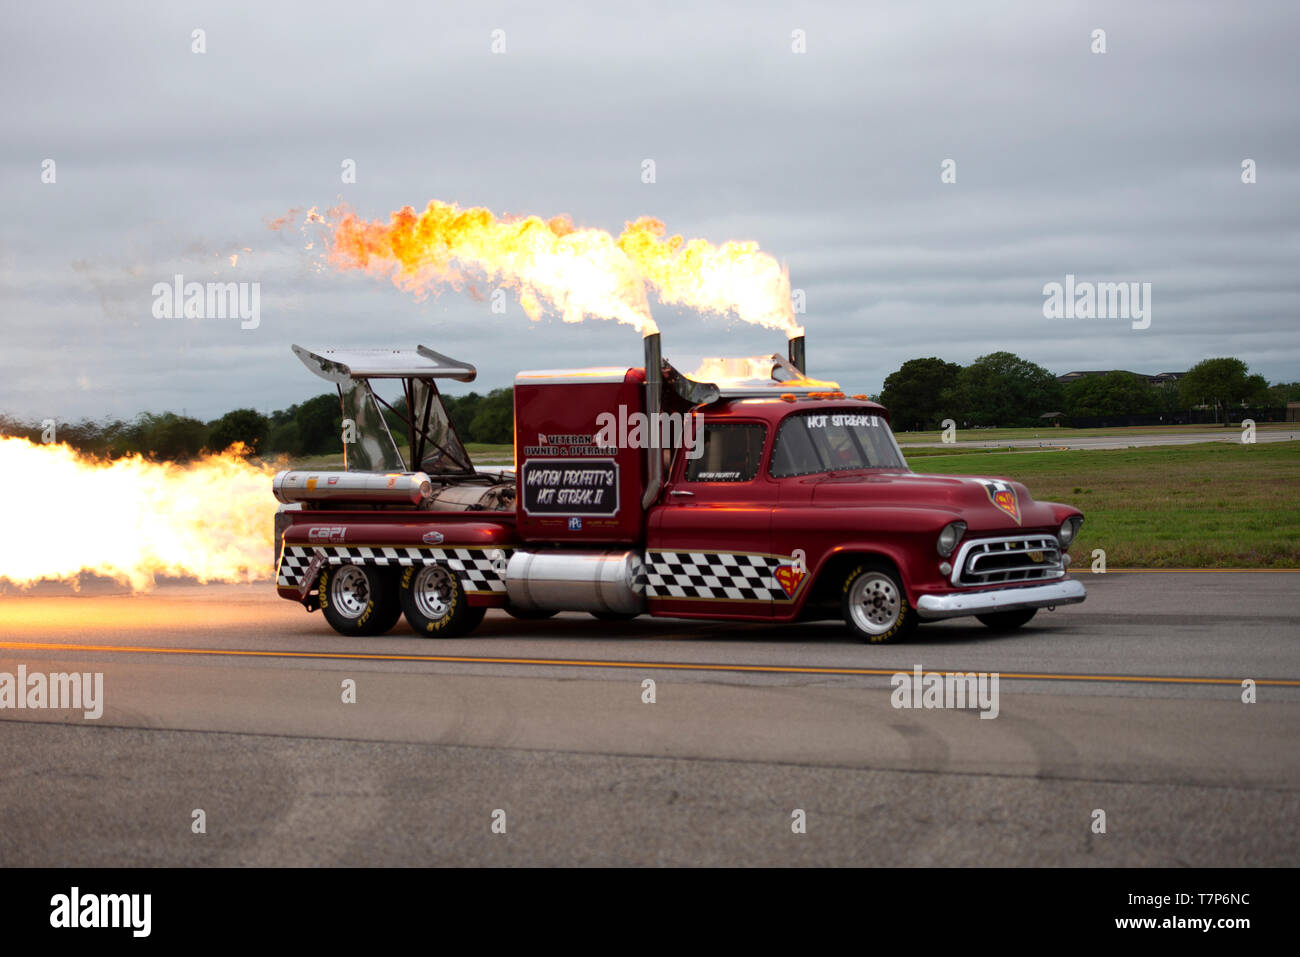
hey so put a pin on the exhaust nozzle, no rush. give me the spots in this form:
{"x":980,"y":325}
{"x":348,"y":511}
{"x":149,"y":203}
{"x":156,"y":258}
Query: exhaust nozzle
{"x":798,"y":356}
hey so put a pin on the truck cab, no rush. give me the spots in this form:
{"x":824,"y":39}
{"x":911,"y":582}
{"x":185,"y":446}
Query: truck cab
{"x":828,"y":521}
{"x":763,"y":496}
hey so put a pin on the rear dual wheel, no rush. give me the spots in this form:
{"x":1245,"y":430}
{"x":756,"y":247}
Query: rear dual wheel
{"x":366,"y":600}
{"x":434,"y":602}
{"x":359,"y":600}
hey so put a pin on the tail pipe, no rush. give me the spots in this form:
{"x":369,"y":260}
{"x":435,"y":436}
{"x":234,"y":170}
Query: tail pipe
{"x":798,"y":355}
{"x":654,"y":393}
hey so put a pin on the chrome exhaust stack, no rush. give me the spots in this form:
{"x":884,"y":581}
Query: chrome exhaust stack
{"x":654,"y":396}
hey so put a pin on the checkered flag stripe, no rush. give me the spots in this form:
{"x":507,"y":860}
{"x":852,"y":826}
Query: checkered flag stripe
{"x":717,"y":575}
{"x":475,"y":569}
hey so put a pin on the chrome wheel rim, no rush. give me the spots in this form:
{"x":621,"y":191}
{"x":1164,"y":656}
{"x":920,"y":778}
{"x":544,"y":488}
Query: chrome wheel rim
{"x":350,"y":591}
{"x":875,"y":603}
{"x":433,"y":591}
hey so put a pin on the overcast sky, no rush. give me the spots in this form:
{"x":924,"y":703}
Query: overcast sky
{"x":1122,"y":166}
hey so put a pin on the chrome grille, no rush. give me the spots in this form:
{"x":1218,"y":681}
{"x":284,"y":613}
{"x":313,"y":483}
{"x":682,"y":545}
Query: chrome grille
{"x":996,"y":561}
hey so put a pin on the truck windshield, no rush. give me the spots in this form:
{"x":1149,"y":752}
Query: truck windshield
{"x":808,"y":443}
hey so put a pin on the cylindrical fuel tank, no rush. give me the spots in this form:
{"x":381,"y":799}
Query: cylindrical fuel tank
{"x":394,"y":488}
{"x":598,"y":581}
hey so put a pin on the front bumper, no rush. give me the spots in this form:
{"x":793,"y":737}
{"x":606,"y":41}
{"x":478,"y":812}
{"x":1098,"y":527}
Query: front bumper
{"x":954,"y":605}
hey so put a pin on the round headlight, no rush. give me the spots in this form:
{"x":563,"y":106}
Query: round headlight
{"x":949,"y":537}
{"x":1069,"y":528}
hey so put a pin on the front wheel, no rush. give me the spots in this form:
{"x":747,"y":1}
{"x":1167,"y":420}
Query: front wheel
{"x":358,"y":599}
{"x":875,"y":606}
{"x":434,"y":602}
{"x":1007,"y":620}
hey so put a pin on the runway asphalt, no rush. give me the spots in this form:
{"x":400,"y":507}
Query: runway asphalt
{"x":230,"y":700}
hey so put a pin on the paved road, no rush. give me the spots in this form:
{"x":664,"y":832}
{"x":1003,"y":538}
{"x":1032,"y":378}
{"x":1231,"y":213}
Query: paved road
{"x":1049,"y":439}
{"x":218,"y":698}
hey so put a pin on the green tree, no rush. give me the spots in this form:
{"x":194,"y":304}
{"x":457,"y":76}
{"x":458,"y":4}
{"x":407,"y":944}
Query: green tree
{"x":284,"y":438}
{"x":1280,"y":393}
{"x":462,"y":409}
{"x":1257,"y":391}
{"x":495,"y":420}
{"x":240,"y":425}
{"x":1217,"y":383}
{"x":915,"y":393}
{"x":1116,"y":393}
{"x":320,"y":425}
{"x":1003,"y":389}
{"x":172,"y":437}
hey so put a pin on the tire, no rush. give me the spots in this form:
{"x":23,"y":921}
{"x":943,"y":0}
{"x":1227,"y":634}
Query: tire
{"x":530,"y":614}
{"x":358,"y":599}
{"x":434,"y":602}
{"x":1007,"y":620}
{"x":875,"y":605}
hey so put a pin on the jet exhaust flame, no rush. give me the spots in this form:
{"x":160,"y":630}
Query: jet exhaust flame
{"x":579,"y":273}
{"x":131,"y":519}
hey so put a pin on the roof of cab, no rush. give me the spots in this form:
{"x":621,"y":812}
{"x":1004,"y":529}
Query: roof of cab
{"x":775,"y":408}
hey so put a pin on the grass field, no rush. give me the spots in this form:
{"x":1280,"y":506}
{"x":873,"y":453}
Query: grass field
{"x":1047,"y":433}
{"x":1212,"y":505}
{"x":481,"y":453}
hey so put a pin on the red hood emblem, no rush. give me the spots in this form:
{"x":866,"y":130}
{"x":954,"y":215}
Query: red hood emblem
{"x":1002,"y":495}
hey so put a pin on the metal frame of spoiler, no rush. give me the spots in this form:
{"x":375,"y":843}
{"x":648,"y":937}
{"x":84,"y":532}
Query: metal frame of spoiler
{"x":341,"y":365}
{"x":352,"y":369}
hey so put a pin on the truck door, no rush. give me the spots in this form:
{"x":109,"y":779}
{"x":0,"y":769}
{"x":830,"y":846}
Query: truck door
{"x":708,"y":543}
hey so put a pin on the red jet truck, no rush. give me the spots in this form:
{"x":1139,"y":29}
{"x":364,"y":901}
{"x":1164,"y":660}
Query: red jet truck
{"x":767,"y":498}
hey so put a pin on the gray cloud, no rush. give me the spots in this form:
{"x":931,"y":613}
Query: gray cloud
{"x":1123,"y":166}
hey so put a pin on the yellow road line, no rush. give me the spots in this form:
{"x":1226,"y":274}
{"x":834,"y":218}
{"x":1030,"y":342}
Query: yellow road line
{"x":597,"y":663}
{"x":1184,"y":571}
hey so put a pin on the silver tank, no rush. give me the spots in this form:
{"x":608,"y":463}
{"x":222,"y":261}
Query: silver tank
{"x":393,"y":488}
{"x":604,"y":581}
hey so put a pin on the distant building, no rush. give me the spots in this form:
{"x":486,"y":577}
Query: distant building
{"x":1293,"y":411}
{"x":1160,"y":378}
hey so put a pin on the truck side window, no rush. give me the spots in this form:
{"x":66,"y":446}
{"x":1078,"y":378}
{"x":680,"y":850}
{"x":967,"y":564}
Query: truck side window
{"x":795,"y":454}
{"x":732,"y":452}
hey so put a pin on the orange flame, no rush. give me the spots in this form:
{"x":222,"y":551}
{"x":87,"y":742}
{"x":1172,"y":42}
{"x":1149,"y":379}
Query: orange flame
{"x":580,"y":273}
{"x":734,"y":278}
{"x":739,"y":371}
{"x":131,"y":519}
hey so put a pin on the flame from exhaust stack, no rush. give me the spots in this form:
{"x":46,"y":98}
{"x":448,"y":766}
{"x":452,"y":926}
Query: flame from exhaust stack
{"x":751,"y":370}
{"x":579,"y":273}
{"x":734,"y":278}
{"x":131,"y":519}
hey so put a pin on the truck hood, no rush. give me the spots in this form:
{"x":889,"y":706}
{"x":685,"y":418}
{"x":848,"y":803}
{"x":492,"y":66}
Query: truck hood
{"x":983,"y":503}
